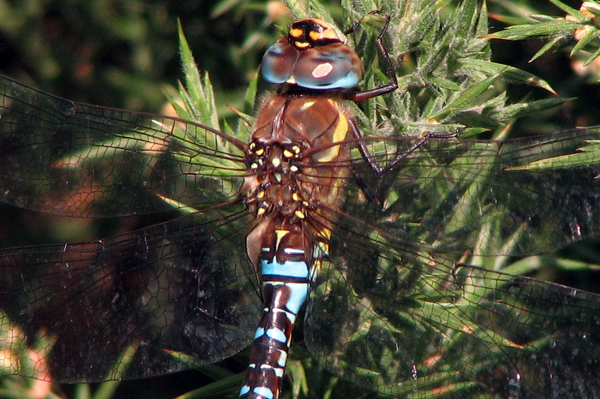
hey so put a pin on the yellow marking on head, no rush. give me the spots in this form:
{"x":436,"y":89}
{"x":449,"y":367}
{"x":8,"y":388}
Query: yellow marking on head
{"x":301,"y":45}
{"x":296,"y":149}
{"x":294,"y":168}
{"x":299,"y":214}
{"x":260,"y":212}
{"x":296,"y":197}
{"x":330,"y":33}
{"x":296,"y":32}
{"x":276,"y":162}
{"x":316,"y":29}
{"x":261,"y":194}
{"x":314,"y":35}
{"x":259,"y":152}
{"x":254,"y":165}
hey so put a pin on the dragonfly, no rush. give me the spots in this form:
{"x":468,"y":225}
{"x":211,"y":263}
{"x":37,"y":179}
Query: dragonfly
{"x":368,"y":230}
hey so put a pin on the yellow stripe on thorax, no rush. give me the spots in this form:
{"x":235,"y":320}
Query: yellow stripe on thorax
{"x":339,"y":135}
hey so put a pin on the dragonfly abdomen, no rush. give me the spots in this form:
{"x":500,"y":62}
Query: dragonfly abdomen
{"x":286,"y":276}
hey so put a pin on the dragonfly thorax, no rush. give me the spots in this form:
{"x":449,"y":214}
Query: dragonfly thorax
{"x":298,"y":156}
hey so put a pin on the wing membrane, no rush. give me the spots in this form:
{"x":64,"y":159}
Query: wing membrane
{"x":185,"y":287}
{"x":543,"y":188}
{"x":75,"y":159}
{"x":397,"y":318}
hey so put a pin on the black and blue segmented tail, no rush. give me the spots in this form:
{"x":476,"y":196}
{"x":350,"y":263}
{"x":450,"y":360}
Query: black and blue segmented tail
{"x":286,"y":273}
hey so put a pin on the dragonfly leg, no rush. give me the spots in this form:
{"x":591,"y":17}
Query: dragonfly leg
{"x":369,"y":159}
{"x":390,"y":72}
{"x":374,"y":196}
{"x":414,"y":147}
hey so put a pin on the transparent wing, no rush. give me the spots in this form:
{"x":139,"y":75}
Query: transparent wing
{"x":181,"y":294}
{"x":75,"y":159}
{"x":160,"y":299}
{"x":79,"y":160}
{"x":396,"y":311}
{"x":543,"y":190}
{"x":397,"y":318}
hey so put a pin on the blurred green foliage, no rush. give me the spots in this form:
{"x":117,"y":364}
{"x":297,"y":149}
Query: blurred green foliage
{"x":121,"y":53}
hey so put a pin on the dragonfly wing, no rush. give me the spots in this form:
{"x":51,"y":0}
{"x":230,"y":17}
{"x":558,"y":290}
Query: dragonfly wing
{"x":74,"y":159}
{"x":544,"y":190}
{"x":181,"y":293}
{"x":396,"y":318}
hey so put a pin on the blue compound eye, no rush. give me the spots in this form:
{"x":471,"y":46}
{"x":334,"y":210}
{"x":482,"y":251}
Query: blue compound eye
{"x":278,"y":62}
{"x":329,"y":67}
{"x":334,"y":66}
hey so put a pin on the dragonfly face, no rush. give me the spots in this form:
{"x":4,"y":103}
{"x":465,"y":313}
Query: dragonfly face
{"x":390,"y":308}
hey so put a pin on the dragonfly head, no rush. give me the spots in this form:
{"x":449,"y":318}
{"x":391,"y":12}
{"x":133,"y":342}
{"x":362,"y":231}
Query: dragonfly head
{"x":310,"y":33}
{"x":312,"y":57}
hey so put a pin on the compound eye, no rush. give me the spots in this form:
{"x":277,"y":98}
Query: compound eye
{"x":278,"y":62}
